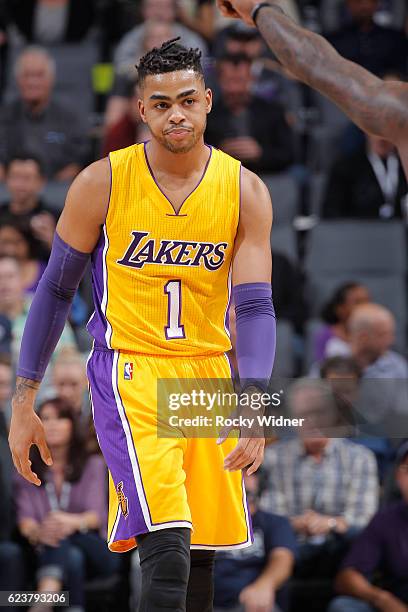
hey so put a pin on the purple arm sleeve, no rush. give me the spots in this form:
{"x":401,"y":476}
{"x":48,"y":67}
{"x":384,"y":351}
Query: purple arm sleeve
{"x":256,"y":333}
{"x":50,"y":308}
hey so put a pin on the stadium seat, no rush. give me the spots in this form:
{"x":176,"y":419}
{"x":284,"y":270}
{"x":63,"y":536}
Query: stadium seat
{"x":54,"y":194}
{"x":284,"y":366}
{"x":324,"y":141}
{"x":283,"y":240}
{"x":311,"y":329}
{"x":357,"y":247}
{"x":317,"y":187}
{"x":371,"y":252}
{"x":284,"y":191}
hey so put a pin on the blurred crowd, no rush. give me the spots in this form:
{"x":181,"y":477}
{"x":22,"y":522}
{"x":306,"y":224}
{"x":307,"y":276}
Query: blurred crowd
{"x":329,"y":510}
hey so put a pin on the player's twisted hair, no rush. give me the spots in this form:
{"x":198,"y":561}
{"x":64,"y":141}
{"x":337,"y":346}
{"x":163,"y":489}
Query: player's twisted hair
{"x":170,"y":57}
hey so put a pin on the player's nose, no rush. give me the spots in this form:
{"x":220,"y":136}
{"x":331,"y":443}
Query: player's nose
{"x":177,"y":116}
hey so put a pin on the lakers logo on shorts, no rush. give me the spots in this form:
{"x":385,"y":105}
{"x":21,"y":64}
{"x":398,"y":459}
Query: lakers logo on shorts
{"x":123,"y":500}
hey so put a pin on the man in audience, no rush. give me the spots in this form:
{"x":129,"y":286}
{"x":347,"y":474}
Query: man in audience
{"x":128,"y":128}
{"x":375,"y":47}
{"x":344,"y":376}
{"x":382,"y":549}
{"x":11,"y":557}
{"x":131,"y":46}
{"x":70,"y":382}
{"x":253,"y":578}
{"x":328,"y":487}
{"x":36,"y":122}
{"x":383,"y":396}
{"x":369,"y":184}
{"x":371,"y":336}
{"x":124,"y":93}
{"x":14,"y":305}
{"x":245,"y":126}
{"x":25,"y":181}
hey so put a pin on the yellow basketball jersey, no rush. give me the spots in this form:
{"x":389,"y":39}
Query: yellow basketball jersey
{"x":161,"y":280}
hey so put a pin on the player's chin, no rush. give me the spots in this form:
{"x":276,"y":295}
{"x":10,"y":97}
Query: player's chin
{"x":181,"y":145}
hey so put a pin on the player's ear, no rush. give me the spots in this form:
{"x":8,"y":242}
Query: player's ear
{"x":141,"y":106}
{"x":208,"y":100}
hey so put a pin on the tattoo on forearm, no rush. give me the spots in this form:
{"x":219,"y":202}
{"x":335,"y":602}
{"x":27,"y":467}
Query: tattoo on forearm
{"x":376,"y":106}
{"x":23,"y":386}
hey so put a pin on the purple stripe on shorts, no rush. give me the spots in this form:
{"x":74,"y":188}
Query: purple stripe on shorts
{"x":113,"y":442}
{"x":249,"y":521}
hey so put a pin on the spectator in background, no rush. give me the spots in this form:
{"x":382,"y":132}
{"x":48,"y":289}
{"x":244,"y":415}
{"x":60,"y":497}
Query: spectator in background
{"x":14,"y":304}
{"x":132,"y":45}
{"x":63,"y":519}
{"x":49,"y":22}
{"x":123,"y":98}
{"x":16,"y":241}
{"x":344,"y":375}
{"x":36,"y":122}
{"x":377,"y":48}
{"x":128,"y":130}
{"x":11,"y":557}
{"x":245,"y":126}
{"x":25,"y":181}
{"x":70,"y":383}
{"x":255,"y":578}
{"x":5,"y":335}
{"x":369,"y":184}
{"x":327,"y":487}
{"x":268,"y":82}
{"x":199,"y":16}
{"x":371,"y":336}
{"x":382,"y":548}
{"x":332,"y":338}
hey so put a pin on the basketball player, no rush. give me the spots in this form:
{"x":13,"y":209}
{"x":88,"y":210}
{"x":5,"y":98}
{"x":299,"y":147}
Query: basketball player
{"x":376,"y":106}
{"x":163,"y":223}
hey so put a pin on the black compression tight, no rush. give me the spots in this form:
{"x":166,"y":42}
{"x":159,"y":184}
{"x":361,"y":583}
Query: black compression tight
{"x":168,"y":583}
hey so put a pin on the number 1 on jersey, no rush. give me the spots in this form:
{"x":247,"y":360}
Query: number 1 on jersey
{"x":173,"y":328}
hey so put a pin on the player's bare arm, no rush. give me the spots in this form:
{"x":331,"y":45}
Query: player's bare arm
{"x":252,"y":260}
{"x":377,"y":106}
{"x":79,"y":227}
{"x":252,"y":263}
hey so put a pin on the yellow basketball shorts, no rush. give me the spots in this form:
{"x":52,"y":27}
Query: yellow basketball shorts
{"x":155,"y":482}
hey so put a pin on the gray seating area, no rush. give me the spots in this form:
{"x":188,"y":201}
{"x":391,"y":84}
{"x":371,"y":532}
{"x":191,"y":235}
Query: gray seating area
{"x":284,"y":191}
{"x":284,"y":366}
{"x":373,"y":253}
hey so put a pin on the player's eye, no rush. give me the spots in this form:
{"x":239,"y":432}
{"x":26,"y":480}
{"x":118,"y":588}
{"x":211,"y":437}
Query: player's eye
{"x":189,"y":102}
{"x":161,"y":105}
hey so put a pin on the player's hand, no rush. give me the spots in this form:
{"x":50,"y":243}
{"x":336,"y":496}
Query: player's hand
{"x":238,"y":9}
{"x":249,"y":452}
{"x":258,"y":596}
{"x":26,"y":429}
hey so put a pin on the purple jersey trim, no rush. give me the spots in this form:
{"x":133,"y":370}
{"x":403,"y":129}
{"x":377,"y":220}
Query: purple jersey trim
{"x":98,"y":324}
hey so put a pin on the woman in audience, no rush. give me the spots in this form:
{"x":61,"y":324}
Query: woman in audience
{"x":331,"y":338}
{"x":63,"y":519}
{"x":17,"y":240}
